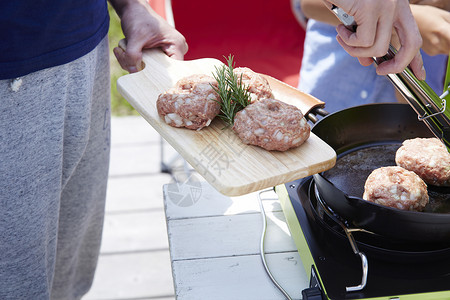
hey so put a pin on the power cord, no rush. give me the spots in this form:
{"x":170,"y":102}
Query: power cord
{"x":261,"y":245}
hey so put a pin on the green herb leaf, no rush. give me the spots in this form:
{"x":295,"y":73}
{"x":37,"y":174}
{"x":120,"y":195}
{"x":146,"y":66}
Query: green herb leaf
{"x":234,"y":95}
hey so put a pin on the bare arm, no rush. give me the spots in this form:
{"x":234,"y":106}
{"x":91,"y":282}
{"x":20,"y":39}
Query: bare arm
{"x":144,"y":28}
{"x":316,"y":10}
{"x":434,"y":26}
{"x":442,"y":4}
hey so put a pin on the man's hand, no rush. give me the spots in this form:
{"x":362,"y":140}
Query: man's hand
{"x":376,"y":19}
{"x":143,"y":29}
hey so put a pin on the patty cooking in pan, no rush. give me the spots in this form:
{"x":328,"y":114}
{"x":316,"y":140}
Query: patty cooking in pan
{"x":272,"y":125}
{"x":396,"y":187}
{"x":428,"y":158}
{"x":257,"y":85}
{"x":192,"y":103}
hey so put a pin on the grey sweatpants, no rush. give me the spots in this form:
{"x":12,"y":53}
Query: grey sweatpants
{"x":54,"y":156}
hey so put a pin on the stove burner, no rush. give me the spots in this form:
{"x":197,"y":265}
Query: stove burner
{"x":396,"y":268}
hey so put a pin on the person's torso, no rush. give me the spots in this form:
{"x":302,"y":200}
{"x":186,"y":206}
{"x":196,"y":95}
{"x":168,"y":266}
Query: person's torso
{"x":44,"y":33}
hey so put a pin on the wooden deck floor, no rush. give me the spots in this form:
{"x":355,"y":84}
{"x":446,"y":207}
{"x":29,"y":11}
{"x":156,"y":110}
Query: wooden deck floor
{"x":134,"y":262}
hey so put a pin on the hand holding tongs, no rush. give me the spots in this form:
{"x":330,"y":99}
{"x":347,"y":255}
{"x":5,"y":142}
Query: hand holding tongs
{"x":431,"y":108}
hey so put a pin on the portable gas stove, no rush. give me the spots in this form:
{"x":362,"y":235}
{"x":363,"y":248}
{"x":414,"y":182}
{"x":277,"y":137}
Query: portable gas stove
{"x":395,"y":271}
{"x":408,"y":260}
{"x":402,"y":254}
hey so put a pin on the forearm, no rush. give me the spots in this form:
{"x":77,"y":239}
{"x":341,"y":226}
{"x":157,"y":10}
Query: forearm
{"x":315,"y":9}
{"x":434,"y":27}
{"x":442,"y":4}
{"x":122,"y":6}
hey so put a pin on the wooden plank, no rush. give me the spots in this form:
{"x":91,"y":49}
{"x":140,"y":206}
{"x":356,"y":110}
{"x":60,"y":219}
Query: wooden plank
{"x":137,"y":231}
{"x":146,"y":275}
{"x":232,"y":167}
{"x":126,"y":130}
{"x":136,"y":193}
{"x":132,"y":160}
{"x":239,"y":277}
{"x":227,"y":236}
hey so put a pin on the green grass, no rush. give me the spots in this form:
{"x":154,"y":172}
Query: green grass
{"x":119,"y":106}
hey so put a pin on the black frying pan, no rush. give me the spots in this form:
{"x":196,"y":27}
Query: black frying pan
{"x":365,"y":138}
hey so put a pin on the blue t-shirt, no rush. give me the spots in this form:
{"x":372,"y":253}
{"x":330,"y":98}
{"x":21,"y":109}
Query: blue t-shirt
{"x":39,"y":34}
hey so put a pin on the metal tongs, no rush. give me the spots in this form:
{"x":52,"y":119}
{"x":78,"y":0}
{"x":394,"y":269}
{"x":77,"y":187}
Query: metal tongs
{"x":430,"y":108}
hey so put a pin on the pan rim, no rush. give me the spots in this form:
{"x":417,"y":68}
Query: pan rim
{"x":346,"y":149}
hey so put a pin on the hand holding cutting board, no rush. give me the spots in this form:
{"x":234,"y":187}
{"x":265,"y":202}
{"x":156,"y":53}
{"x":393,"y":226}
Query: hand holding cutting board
{"x":144,"y":29}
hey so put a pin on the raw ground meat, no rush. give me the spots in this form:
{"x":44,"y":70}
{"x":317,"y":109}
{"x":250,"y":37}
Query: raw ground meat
{"x":258,"y":86}
{"x":272,"y":125}
{"x":396,"y":187}
{"x":428,"y":158}
{"x":192,"y":103}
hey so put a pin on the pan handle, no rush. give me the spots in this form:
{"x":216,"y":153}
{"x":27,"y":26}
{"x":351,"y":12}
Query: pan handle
{"x":316,"y":111}
{"x":351,"y":239}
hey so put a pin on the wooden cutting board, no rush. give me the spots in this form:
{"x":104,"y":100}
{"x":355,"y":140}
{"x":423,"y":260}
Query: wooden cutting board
{"x":218,"y":154}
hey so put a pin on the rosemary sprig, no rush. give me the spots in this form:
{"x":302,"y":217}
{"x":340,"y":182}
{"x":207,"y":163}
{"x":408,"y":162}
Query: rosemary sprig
{"x":234,"y":95}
